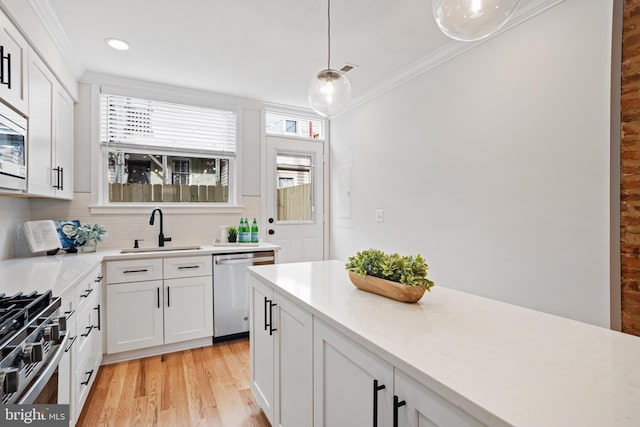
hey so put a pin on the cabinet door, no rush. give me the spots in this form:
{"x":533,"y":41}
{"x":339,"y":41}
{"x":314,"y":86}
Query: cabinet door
{"x":261,"y":345}
{"x":188,"y":309}
{"x":40,"y":149}
{"x":343,"y":380}
{"x":134,"y":316}
{"x":294,"y":364}
{"x":15,"y":51}
{"x":424,"y":408}
{"x":63,"y":144}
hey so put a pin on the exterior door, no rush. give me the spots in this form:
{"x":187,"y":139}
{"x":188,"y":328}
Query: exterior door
{"x":295,"y":211}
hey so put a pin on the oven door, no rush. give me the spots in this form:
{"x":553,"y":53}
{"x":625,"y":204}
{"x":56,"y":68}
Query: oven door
{"x":44,"y":388}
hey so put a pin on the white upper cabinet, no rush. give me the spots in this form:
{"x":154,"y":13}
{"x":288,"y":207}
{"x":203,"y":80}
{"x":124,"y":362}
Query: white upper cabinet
{"x":14,"y":52}
{"x":50,"y":149}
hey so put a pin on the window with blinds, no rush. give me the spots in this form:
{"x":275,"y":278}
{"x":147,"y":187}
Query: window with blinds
{"x":161,"y":152}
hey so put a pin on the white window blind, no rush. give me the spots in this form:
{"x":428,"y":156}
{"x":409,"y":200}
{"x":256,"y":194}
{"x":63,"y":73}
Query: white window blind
{"x":141,"y":123}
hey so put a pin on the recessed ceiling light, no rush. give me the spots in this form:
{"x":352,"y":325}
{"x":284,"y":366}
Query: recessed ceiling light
{"x":117,"y":44}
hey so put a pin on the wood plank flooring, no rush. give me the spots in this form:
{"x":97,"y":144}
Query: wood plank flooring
{"x":207,"y":386}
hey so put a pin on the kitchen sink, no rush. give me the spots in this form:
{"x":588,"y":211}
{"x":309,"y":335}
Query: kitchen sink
{"x":161,"y":249}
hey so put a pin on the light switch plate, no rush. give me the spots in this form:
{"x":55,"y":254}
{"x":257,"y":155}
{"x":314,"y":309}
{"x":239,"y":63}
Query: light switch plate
{"x":379,"y":215}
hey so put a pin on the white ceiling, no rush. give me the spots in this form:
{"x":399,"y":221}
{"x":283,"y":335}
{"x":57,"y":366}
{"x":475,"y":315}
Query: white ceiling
{"x":262,"y":49}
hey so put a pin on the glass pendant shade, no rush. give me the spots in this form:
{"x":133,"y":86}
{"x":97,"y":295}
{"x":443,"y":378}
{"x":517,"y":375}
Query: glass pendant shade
{"x":470,"y":20}
{"x":329,"y":93}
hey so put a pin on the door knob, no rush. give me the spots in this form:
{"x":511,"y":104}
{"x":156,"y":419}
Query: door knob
{"x":271,"y":231}
{"x":270,"y":220}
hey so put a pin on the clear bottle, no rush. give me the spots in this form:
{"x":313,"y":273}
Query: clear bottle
{"x":254,"y":231}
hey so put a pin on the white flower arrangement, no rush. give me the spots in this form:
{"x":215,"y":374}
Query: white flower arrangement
{"x":86,"y":233}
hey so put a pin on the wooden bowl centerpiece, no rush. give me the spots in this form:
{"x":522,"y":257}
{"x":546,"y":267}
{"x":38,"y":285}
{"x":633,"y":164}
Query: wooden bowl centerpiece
{"x":402,"y":278}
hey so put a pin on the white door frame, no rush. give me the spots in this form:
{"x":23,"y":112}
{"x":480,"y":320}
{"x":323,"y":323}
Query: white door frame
{"x":263,"y":178}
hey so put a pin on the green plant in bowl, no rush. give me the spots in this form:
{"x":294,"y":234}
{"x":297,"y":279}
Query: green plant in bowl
{"x":408,"y":270}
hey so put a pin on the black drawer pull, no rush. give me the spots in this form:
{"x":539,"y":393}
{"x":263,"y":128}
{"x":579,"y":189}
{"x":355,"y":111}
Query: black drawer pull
{"x":158,"y":289}
{"x":90,"y":373}
{"x":68,"y":314}
{"x":73,"y":340}
{"x":98,"y":279}
{"x":186,"y":267}
{"x":144,"y":270}
{"x":266,"y":324}
{"x":397,"y":403}
{"x":376,"y":389}
{"x":86,"y":294}
{"x":89,"y":329}
{"x":98,"y":308}
{"x":271,"y":328}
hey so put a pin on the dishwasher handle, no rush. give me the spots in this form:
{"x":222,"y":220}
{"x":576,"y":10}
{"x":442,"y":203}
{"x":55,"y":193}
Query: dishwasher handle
{"x":244,"y":260}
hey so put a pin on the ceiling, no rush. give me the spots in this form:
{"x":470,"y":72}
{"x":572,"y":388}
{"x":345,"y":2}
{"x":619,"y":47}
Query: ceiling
{"x":261,"y":49}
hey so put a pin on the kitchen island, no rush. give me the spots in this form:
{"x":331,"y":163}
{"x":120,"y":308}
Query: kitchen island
{"x":476,"y":361}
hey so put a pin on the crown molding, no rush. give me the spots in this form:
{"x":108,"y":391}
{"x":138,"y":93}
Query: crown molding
{"x":47,"y":15}
{"x":527,"y":10}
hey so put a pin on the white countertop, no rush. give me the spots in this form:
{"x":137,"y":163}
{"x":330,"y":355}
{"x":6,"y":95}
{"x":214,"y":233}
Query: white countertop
{"x":60,"y":272}
{"x":500,"y":362}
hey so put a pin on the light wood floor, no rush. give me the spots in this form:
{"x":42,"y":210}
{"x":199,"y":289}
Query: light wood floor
{"x":207,"y":386}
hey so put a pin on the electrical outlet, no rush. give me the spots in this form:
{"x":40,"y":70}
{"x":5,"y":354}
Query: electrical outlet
{"x":379,"y":215}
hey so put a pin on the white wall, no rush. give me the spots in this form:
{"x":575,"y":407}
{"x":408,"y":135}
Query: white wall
{"x":494,"y":166}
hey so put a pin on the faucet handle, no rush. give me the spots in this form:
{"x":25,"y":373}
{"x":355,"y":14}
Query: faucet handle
{"x":135,"y":243}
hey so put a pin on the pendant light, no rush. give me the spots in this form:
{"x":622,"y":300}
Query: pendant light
{"x":329,"y":91}
{"x":470,"y":20}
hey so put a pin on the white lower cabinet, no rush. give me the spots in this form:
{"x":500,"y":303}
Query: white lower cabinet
{"x":82,"y":307}
{"x":281,"y":357}
{"x":144,"y":313}
{"x":352,"y":386}
{"x":134,"y":315}
{"x":188,"y":311}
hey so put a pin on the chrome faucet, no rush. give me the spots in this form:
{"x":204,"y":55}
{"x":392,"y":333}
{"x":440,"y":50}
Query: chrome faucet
{"x":161,"y":238}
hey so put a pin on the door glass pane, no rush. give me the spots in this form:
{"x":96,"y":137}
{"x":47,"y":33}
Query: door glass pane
{"x":294,"y":180}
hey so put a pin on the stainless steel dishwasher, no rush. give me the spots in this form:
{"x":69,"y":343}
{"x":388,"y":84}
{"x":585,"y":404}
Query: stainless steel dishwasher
{"x":231,"y":292}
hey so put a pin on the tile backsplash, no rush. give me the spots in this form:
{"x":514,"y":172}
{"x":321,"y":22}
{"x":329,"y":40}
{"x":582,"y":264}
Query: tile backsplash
{"x":122,"y":229}
{"x":14,"y":212}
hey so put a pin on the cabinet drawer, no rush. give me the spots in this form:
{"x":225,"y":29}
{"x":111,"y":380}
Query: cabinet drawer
{"x":137,"y":270}
{"x":175,"y":268}
{"x":87,"y":329}
{"x":88,"y":288}
{"x":84,"y":375}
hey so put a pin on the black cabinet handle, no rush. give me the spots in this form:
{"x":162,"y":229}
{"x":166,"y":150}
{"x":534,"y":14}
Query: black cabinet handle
{"x":144,"y":270}
{"x":271,"y":328}
{"x":6,"y":58}
{"x":98,"y":308}
{"x":158,"y":289}
{"x":168,"y":298}
{"x":57,"y":186}
{"x":87,"y":293}
{"x":397,"y":403}
{"x":376,"y":389}
{"x":266,"y":325}
{"x":186,"y":267}
{"x":68,"y":314}
{"x":98,"y":279}
{"x":62,"y":179}
{"x":89,"y":329}
{"x":73,"y":340}
{"x":88,"y":378}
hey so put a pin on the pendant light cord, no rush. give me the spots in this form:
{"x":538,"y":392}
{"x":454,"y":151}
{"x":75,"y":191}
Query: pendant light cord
{"x":329,"y":34}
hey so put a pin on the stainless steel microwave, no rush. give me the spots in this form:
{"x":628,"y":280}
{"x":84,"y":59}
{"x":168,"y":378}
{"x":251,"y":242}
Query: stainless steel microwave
{"x":13,"y":149}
